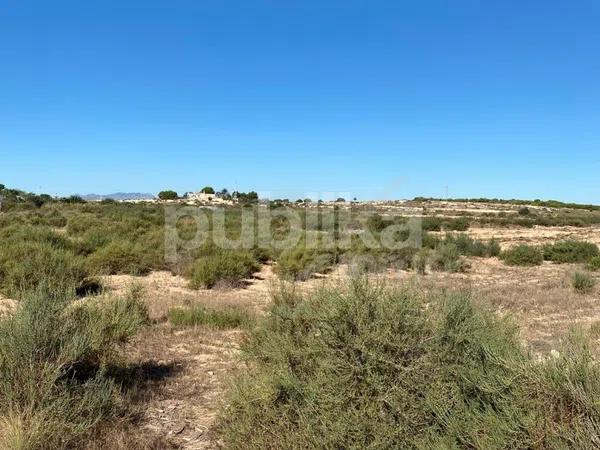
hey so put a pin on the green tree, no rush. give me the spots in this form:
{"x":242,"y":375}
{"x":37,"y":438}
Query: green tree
{"x":72,"y":199}
{"x":207,"y":190}
{"x":167,"y":195}
{"x":225,"y":194}
{"x":243,"y":197}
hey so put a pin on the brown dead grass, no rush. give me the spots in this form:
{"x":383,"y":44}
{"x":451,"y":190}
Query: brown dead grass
{"x":540,"y":298}
{"x":509,"y":237}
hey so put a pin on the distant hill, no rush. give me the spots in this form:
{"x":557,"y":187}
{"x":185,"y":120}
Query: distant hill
{"x":118,"y":196}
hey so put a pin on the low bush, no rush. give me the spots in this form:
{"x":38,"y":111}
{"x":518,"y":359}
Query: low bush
{"x":446,"y":258}
{"x":216,"y":318}
{"x":222,"y":266}
{"x":300,"y":263}
{"x":419,"y":262}
{"x":81,"y":223}
{"x":377,"y":223}
{"x":594,"y":264}
{"x":31,"y":256}
{"x":457,"y":224}
{"x":53,"y":387}
{"x":524,"y":211}
{"x":370,"y":367}
{"x":571,"y":252}
{"x":522,"y":255}
{"x":470,"y":247}
{"x":432,"y":223}
{"x":364,"y":263}
{"x":583,"y":283}
{"x":401,"y":258}
{"x":120,"y":257}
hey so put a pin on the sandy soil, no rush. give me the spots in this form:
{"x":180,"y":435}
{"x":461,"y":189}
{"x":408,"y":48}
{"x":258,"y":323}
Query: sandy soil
{"x":509,"y":237}
{"x":540,"y":298}
{"x":194,"y":365}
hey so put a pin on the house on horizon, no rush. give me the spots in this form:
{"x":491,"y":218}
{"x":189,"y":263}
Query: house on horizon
{"x":203,"y":197}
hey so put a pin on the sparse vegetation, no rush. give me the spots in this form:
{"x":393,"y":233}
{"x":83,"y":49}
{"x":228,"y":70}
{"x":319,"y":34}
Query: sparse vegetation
{"x":583,"y":283}
{"x":419,"y":262}
{"x":215,"y":318}
{"x":470,"y":247}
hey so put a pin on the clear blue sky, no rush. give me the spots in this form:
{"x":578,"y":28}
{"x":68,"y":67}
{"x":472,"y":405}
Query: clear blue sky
{"x":378,"y":99}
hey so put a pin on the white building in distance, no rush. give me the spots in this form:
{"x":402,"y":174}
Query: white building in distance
{"x":202,"y":197}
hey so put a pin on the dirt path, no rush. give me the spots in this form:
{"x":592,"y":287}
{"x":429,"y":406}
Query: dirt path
{"x":187,"y":370}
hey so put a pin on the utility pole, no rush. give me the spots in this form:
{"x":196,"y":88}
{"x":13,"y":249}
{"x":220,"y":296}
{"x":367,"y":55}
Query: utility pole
{"x":446,"y":192}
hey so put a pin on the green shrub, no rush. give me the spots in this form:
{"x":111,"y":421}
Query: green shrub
{"x":79,"y":224}
{"x":216,"y":318}
{"x":594,"y":264}
{"x":31,"y":256}
{"x":121,"y":257}
{"x":432,"y":223}
{"x":377,"y":223}
{"x":364,"y":263}
{"x":457,"y":224}
{"x":470,"y":247}
{"x":222,"y":265}
{"x":430,"y":241}
{"x":583,"y":283}
{"x":367,"y":366}
{"x":571,"y":252}
{"x":522,"y":255}
{"x":493,"y":248}
{"x":419,"y":262}
{"x":300,"y":263}
{"x":446,"y":258}
{"x":401,"y":258}
{"x":53,"y":388}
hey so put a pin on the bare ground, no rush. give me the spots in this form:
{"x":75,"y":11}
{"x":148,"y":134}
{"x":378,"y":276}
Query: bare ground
{"x":537,"y":235}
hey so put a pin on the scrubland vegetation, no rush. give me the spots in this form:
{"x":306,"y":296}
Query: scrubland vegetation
{"x":352,"y":365}
{"x":571,"y":252}
{"x":523,"y":255}
{"x":367,"y":366}
{"x":562,"y":252}
{"x":55,"y":361}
